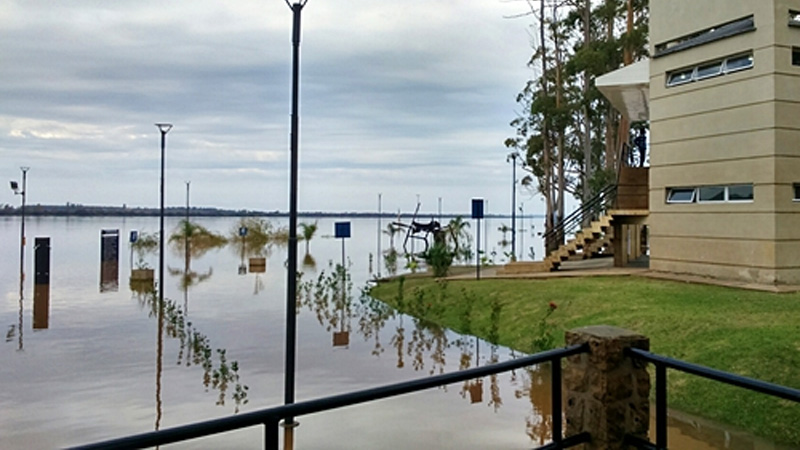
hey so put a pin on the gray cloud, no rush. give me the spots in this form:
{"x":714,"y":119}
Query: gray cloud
{"x":403,"y":98}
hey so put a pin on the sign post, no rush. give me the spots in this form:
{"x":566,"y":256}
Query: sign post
{"x":477,"y":213}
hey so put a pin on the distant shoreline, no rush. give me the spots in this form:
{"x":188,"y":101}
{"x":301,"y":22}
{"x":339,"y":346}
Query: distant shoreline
{"x":74,"y":210}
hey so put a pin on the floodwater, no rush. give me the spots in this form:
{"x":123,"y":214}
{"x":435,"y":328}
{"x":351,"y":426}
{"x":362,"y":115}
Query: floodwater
{"x":89,"y":358}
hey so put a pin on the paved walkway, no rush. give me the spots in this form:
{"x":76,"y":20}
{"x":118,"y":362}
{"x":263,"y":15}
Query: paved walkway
{"x":604,"y":267}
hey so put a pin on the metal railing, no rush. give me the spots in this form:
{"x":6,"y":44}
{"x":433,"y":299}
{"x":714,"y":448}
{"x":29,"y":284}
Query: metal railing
{"x":590,"y":210}
{"x":662,"y":363}
{"x":270,"y":418}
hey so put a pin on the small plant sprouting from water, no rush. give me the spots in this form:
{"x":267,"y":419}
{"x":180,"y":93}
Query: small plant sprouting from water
{"x":494,"y":321}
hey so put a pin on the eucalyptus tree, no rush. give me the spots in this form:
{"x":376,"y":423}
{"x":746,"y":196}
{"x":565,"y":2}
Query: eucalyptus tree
{"x":567,"y":131}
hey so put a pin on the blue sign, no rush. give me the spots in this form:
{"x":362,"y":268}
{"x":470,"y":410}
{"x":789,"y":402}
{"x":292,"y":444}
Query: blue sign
{"x":242,"y":231}
{"x":342,"y":229}
{"x":134,"y":236}
{"x":477,"y":208}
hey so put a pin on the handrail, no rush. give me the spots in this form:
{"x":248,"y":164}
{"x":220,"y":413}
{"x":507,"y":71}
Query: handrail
{"x":663,"y":363}
{"x":752,"y":384}
{"x":593,"y":206}
{"x":271,"y":416}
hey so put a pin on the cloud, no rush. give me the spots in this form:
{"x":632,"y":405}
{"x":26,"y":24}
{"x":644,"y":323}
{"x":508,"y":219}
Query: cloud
{"x":407,"y":97}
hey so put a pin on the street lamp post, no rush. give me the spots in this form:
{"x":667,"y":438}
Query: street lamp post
{"x":291,"y":282}
{"x":164,"y":129}
{"x":513,"y":159}
{"x":22,"y":192}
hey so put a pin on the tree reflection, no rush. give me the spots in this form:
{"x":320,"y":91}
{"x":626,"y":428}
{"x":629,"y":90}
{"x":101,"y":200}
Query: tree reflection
{"x":195,"y":349}
{"x":328,"y":297}
{"x":536,"y":387}
{"x":423,"y":345}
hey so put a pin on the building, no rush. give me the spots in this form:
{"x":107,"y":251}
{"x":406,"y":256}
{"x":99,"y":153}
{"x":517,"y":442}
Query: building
{"x":722,"y":94}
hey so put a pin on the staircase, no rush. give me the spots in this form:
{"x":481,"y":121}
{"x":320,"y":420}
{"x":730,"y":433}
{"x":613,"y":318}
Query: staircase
{"x":591,"y":241}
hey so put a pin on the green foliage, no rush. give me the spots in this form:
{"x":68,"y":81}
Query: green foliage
{"x":261,"y":236}
{"x":308,"y":230}
{"x":745,"y":332}
{"x":562,"y":113}
{"x":390,"y":261}
{"x":198,"y":238}
{"x":146,"y":243}
{"x":439,"y":258}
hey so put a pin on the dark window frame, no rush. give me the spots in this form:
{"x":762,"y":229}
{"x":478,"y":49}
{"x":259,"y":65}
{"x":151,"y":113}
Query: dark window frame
{"x":702,"y":37}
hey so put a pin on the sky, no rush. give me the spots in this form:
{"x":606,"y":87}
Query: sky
{"x":398,"y":98}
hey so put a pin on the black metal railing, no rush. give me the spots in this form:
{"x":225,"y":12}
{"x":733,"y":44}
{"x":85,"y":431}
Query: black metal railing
{"x":662,"y":363}
{"x":270,"y":418}
{"x":590,"y":210}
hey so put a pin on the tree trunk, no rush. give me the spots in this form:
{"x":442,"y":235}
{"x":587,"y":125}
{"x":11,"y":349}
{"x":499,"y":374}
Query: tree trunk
{"x":587,"y":124}
{"x":548,"y":166}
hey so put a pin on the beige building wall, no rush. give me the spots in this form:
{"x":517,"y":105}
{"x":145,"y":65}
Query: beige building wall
{"x":737,"y":128}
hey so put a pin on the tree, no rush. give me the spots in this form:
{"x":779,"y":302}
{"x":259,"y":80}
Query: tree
{"x":568,"y":133}
{"x":308,"y":230}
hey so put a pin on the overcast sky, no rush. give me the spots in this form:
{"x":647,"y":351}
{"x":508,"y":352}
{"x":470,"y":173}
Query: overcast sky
{"x":403,"y":98}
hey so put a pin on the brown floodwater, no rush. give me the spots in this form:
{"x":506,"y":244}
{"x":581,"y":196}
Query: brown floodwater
{"x":92,"y":357}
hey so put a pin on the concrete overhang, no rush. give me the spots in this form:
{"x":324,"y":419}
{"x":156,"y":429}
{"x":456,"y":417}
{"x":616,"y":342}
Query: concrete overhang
{"x":628,"y":90}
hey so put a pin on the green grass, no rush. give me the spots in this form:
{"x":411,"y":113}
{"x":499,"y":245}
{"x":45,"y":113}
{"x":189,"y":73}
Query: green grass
{"x":750,"y":333}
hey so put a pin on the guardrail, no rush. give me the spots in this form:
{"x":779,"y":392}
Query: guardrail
{"x":590,"y":210}
{"x":270,"y":418}
{"x":662,"y":363}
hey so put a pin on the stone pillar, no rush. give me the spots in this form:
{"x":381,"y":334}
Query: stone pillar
{"x":607,"y":393}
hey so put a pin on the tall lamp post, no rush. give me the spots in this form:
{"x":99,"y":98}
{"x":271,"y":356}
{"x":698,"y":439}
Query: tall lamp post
{"x":164,"y":129}
{"x":513,"y":158}
{"x":291,"y":281}
{"x":22,"y":192}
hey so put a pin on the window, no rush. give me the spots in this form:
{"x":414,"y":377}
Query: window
{"x":797,"y":192}
{"x":711,"y":69}
{"x":681,"y":77}
{"x":680,"y":195}
{"x":711,"y":194}
{"x":796,"y":56}
{"x":794,"y":18}
{"x":739,"y":62}
{"x":740,"y":193}
{"x":706,"y":36}
{"x":716,"y":194}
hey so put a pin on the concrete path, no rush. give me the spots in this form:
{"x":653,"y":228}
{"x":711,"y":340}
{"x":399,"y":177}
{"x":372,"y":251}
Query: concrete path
{"x":604,"y":267}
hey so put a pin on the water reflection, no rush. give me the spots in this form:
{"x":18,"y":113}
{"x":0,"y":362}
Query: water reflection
{"x":511,"y":410}
{"x":191,"y":241}
{"x":422,"y":344}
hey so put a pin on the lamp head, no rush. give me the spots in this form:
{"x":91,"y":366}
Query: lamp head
{"x":164,"y":127}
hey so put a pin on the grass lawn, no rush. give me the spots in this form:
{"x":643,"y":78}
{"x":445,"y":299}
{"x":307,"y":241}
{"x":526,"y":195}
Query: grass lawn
{"x":750,"y":333}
